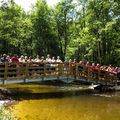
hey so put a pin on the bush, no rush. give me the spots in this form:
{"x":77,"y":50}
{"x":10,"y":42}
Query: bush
{"x":6,"y":114}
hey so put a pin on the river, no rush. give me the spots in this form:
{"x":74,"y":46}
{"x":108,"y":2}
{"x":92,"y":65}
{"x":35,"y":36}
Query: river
{"x":69,"y":102}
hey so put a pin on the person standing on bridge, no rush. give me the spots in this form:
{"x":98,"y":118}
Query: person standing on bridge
{"x":42,"y":60}
{"x":21,"y":59}
{"x":3,"y":58}
{"x":48,"y":63}
{"x":37,"y":59}
{"x":58,"y":59}
{"x":15,"y":59}
{"x":48,"y":59}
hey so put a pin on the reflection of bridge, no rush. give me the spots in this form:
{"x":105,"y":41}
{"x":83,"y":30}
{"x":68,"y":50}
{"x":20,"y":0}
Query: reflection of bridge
{"x":46,"y":71}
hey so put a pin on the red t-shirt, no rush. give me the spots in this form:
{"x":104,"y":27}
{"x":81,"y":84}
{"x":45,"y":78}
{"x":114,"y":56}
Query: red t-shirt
{"x":14,"y":59}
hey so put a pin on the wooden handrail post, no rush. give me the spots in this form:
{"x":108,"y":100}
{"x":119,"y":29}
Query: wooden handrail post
{"x":88,"y":75}
{"x":70,"y":69}
{"x":26,"y":71}
{"x":6,"y":71}
{"x":77,"y":70}
{"x":59,"y":69}
{"x":98,"y":75}
{"x":62,"y":69}
{"x":44,"y":69}
{"x":84,"y":69}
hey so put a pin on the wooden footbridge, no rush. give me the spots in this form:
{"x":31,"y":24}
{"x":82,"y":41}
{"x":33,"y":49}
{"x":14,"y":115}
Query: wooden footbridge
{"x":25,"y":72}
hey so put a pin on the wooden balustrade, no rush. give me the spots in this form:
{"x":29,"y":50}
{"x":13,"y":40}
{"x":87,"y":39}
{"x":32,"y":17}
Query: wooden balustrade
{"x":16,"y":71}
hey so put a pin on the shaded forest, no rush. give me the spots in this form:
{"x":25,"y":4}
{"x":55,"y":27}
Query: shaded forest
{"x":85,"y":30}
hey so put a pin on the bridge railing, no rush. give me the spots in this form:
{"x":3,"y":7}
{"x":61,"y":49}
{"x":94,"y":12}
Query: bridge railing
{"x":96,"y":74}
{"x":10,"y":71}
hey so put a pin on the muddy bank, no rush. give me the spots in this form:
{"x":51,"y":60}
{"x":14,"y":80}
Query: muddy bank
{"x":4,"y":94}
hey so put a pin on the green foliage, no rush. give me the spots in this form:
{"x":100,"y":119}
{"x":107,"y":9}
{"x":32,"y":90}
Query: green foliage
{"x":87,"y":29}
{"x":12,"y":27}
{"x":6,"y":115}
{"x":98,"y":35}
{"x":43,"y":27}
{"x":64,"y":15}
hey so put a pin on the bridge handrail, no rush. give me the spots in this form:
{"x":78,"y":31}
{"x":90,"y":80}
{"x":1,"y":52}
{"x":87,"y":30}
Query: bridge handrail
{"x":29,"y":70}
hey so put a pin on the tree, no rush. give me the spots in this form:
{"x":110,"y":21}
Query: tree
{"x":44,"y":37}
{"x":101,"y":21}
{"x":87,"y":29}
{"x":11,"y":28}
{"x":64,"y":18}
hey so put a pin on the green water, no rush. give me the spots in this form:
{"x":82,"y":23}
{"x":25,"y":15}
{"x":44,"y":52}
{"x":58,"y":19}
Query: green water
{"x":44,"y":102}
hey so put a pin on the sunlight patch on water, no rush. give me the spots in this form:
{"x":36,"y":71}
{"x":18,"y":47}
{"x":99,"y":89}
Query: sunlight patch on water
{"x":103,"y":95}
{"x":68,"y":88}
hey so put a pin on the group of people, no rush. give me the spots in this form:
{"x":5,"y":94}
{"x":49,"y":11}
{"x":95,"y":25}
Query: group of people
{"x":115,"y":71}
{"x":25,"y":59}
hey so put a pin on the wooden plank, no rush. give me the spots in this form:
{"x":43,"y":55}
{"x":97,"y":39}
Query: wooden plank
{"x":6,"y":71}
{"x":11,"y":73}
{"x":10,"y":68}
{"x":36,"y":67}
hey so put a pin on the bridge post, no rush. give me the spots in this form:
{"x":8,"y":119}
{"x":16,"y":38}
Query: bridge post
{"x":88,"y":75}
{"x":77,"y":71}
{"x":67,"y":71}
{"x":59,"y":70}
{"x":84,"y":72}
{"x":5,"y":73}
{"x":44,"y":70}
{"x":70,"y":69}
{"x":98,"y":75}
{"x":26,"y":72}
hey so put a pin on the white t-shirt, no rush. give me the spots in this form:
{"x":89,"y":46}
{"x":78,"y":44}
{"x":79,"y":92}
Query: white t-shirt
{"x":48,"y":60}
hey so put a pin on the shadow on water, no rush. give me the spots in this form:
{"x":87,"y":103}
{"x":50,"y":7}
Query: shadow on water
{"x":28,"y":95}
{"x":43,"y":90}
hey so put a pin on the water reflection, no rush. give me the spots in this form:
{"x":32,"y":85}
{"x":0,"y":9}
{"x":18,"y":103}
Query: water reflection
{"x":38,"y":91}
{"x":33,"y":91}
